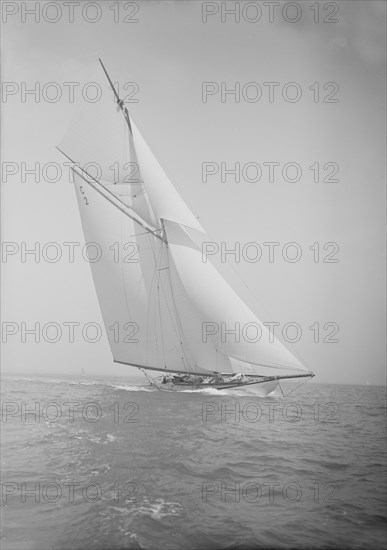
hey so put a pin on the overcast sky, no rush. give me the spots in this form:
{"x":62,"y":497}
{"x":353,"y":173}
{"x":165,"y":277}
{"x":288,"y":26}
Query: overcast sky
{"x":169,"y":52}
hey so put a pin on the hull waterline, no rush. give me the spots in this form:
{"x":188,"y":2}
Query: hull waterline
{"x":265,"y":388}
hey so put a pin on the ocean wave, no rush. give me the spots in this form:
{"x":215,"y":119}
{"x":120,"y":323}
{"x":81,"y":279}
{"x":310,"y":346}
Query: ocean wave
{"x":156,"y":509}
{"x":172,"y":451}
{"x":85,"y":383}
{"x":133,"y":388}
{"x":232,"y":392}
{"x":328,"y":465}
{"x":159,"y":509}
{"x":86,"y":435}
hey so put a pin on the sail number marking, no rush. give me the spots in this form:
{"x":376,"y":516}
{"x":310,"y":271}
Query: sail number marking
{"x":84,"y":196}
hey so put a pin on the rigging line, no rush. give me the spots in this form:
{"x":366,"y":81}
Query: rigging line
{"x":296,"y":388}
{"x":177,"y":329}
{"x":179,"y":325}
{"x":152,"y":245}
{"x":124,"y":208}
{"x":159,"y":281}
{"x":161,"y":322}
{"x":172,"y":316}
{"x":180,"y":332}
{"x":127,"y":299}
{"x":175,"y":325}
{"x":154,"y":277}
{"x":124,"y":285}
{"x":158,"y":305}
{"x":151,"y":254}
{"x":138,"y":234}
{"x":142,"y":279}
{"x":149,"y":296}
{"x":164,"y":252}
{"x":137,"y":348}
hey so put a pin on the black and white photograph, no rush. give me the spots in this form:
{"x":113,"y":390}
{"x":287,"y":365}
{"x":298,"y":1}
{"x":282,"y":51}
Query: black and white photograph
{"x":193,"y":275}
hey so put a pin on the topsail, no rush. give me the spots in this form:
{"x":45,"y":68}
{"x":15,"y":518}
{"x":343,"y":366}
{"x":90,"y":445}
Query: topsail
{"x":160,"y":302}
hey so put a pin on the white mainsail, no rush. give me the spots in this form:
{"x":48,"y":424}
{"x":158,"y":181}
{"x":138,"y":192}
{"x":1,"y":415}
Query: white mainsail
{"x":132,"y":284}
{"x":155,"y":292}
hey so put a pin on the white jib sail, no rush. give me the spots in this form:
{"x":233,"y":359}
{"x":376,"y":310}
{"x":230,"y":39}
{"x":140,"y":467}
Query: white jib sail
{"x":227,"y":321}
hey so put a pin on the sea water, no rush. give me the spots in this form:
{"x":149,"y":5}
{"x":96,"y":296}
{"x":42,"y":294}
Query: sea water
{"x":101,"y":463}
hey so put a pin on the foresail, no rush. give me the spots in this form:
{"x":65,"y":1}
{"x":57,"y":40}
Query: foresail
{"x":206,"y":355}
{"x":164,"y":198}
{"x":224,"y":316}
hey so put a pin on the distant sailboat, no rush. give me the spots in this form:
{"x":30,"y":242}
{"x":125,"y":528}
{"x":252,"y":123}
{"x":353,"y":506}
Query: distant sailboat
{"x":156,"y":300}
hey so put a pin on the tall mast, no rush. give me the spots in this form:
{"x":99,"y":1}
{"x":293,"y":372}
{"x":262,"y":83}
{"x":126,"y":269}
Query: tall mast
{"x":120,"y":102}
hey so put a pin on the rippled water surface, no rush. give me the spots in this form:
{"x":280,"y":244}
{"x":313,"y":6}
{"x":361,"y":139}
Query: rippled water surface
{"x":108,"y":465}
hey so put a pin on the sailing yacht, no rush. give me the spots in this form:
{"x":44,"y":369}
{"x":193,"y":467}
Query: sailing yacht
{"x":154,"y":289}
